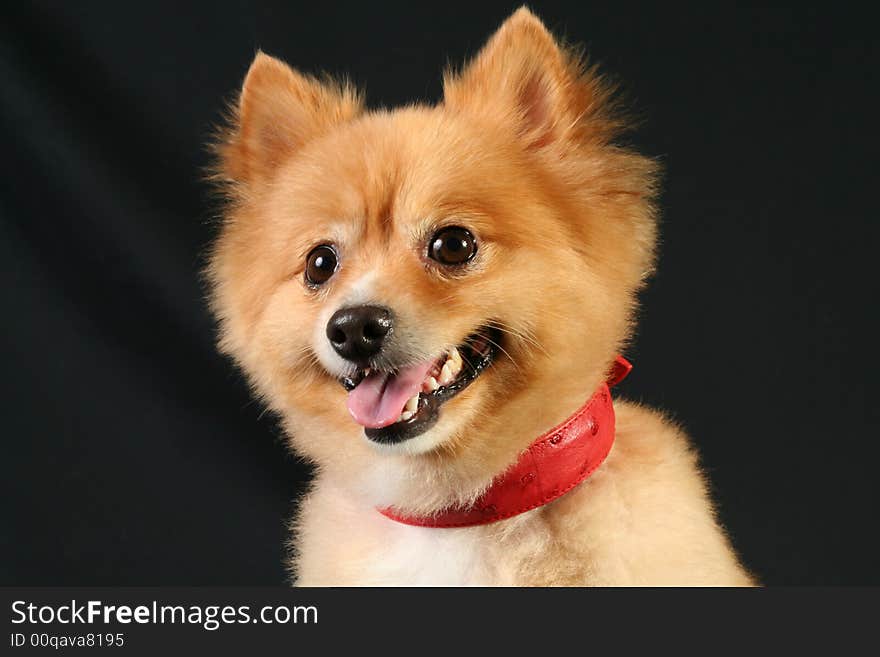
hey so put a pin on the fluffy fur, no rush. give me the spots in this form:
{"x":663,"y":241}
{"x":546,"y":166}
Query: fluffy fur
{"x":521,"y":151}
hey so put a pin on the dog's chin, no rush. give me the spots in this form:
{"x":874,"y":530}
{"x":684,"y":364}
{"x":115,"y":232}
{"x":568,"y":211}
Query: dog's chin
{"x":425,"y":442}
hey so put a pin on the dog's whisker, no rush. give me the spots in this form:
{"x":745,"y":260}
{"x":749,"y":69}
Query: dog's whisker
{"x":505,"y":352}
{"x":526,"y":337}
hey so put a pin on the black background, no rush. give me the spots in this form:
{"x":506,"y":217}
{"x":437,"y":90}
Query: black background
{"x":131,"y":451}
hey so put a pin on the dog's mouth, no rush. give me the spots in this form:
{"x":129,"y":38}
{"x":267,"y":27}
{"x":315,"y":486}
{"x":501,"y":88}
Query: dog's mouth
{"x":397,"y":405}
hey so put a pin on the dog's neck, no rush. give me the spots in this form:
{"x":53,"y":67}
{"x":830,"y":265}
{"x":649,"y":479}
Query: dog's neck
{"x":554,"y":464}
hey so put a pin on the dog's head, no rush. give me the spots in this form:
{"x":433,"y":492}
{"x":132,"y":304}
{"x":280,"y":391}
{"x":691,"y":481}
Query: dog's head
{"x":430,"y":285}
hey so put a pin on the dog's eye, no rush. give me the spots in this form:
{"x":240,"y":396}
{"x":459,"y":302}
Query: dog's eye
{"x":452,"y":246}
{"x":320,"y":264}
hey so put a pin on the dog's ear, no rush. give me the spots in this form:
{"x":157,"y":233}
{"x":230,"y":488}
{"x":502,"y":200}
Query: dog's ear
{"x":541,"y":90}
{"x":278,"y":111}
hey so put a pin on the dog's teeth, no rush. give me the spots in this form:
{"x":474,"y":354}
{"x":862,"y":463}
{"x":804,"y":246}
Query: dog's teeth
{"x":405,"y":416}
{"x":455,"y":357}
{"x":430,"y":384}
{"x":412,"y":404}
{"x":446,"y":374}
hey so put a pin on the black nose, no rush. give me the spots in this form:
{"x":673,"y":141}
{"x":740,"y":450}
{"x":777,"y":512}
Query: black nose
{"x":359,"y":332}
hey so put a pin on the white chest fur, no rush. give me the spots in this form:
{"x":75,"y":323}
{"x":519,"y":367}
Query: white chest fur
{"x":425,"y":556}
{"x":342,"y":542}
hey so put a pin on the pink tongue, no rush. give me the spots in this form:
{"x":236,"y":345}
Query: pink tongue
{"x":378,"y":400}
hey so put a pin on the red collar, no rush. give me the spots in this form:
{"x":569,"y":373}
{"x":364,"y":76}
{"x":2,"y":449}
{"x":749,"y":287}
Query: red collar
{"x":552,"y":465}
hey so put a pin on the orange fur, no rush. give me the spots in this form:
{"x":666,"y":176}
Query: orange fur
{"x":522,"y":152}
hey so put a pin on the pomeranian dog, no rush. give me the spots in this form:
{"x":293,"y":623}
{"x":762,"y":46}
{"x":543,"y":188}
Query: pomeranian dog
{"x":432,"y":299}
